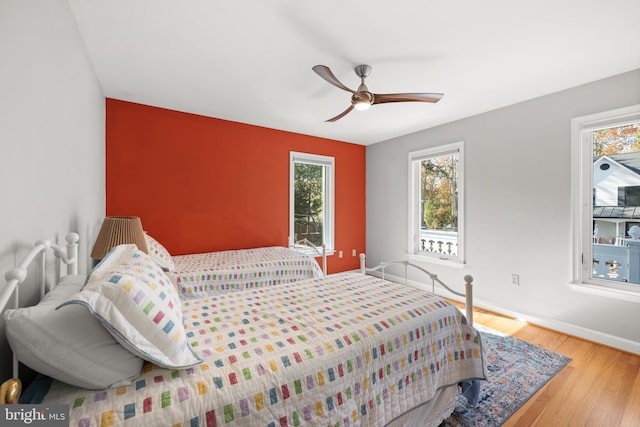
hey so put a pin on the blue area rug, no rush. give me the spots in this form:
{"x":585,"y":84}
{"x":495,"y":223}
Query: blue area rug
{"x":516,"y":370}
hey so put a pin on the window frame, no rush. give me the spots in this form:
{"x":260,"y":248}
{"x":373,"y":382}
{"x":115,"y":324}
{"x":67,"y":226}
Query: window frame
{"x":328,"y":197}
{"x":582,"y":195}
{"x":414,"y":220}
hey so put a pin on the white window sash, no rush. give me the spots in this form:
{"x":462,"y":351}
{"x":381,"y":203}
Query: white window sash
{"x":582,"y":129}
{"x":327,"y":190}
{"x":415,"y":158}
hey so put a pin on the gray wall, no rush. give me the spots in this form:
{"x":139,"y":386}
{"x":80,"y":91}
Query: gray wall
{"x":52,"y":175}
{"x":518,"y":209}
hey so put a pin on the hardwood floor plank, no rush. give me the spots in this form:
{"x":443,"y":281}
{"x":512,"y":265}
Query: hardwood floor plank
{"x":600,"y":387}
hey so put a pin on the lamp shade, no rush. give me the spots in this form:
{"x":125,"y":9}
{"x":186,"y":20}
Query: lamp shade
{"x":119,"y":230}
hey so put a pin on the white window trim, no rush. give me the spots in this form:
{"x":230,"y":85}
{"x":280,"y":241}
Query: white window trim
{"x":582,"y":203}
{"x":329,"y":190}
{"x":414,"y":200}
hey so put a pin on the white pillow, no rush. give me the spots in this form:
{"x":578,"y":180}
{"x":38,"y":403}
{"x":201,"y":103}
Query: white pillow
{"x":159,"y":253}
{"x":69,"y":345}
{"x":133,"y":298}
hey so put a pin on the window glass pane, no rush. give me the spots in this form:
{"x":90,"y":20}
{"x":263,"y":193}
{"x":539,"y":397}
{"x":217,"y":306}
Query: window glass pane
{"x":616,"y":202}
{"x":311,"y":199}
{"x":309,"y":219}
{"x":439,"y":205}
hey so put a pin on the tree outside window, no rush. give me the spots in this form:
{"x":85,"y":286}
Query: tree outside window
{"x":439,"y":188}
{"x":616,"y":140}
{"x":308,"y":202}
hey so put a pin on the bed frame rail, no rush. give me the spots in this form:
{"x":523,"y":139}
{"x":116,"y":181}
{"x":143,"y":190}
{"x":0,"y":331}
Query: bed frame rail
{"x":467,"y":295}
{"x":17,"y":275}
{"x":320,"y":250}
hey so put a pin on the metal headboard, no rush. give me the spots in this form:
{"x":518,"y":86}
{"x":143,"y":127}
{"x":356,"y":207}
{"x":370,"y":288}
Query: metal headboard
{"x":67,"y":255}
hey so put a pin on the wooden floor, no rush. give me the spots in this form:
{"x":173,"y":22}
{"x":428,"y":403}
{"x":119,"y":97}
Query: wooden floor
{"x":600,"y":387}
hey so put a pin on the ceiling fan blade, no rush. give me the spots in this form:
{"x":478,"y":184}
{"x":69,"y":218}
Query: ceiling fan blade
{"x":404,"y":97}
{"x":341,"y":115}
{"x":324,"y":72}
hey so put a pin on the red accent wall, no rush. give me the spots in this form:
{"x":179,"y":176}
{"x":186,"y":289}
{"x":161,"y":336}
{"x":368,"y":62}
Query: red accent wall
{"x":201,"y":184}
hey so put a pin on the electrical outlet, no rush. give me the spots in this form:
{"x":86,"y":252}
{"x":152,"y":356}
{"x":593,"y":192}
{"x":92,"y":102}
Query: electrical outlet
{"x":340,"y":254}
{"x":353,"y":252}
{"x":515,"y":279}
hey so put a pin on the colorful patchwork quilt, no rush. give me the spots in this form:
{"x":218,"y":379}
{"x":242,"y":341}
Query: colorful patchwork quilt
{"x":209,"y":273}
{"x":342,"y":350}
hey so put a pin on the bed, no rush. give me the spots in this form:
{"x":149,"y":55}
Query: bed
{"x":345,"y":349}
{"x":209,"y":273}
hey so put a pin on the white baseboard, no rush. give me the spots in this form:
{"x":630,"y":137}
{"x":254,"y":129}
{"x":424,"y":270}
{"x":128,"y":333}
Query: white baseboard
{"x":553,"y":324}
{"x":567,"y":328}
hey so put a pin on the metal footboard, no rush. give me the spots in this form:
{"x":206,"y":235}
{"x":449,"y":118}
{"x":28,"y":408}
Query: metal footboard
{"x":467,"y":295}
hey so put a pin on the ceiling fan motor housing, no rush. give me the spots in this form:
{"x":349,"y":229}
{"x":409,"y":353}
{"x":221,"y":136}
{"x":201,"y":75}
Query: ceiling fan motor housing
{"x":362,"y":99}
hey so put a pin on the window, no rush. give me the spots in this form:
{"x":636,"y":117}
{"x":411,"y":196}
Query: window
{"x":629,"y":196}
{"x":606,"y":199}
{"x":436,"y":212}
{"x":311,"y":199}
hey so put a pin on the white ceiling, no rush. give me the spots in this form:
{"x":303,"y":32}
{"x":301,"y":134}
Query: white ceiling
{"x":250,"y":60}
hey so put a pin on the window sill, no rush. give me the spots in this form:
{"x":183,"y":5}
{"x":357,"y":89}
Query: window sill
{"x":436,"y":260}
{"x":618,"y":294}
{"x":313,"y":253}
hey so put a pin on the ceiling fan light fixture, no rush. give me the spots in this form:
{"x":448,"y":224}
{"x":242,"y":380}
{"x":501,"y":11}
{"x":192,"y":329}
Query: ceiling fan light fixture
{"x":362,"y":105}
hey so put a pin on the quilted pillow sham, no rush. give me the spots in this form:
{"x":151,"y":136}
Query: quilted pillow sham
{"x":159,"y":254}
{"x":133,"y":298}
{"x":69,"y":345}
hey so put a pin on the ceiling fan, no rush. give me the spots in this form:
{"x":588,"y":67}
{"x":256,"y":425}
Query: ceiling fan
{"x":362,"y":99}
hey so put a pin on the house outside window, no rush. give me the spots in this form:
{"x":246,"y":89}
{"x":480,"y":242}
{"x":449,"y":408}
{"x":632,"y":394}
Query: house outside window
{"x":606,"y":199}
{"x":436,"y":211}
{"x":311,"y":199}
